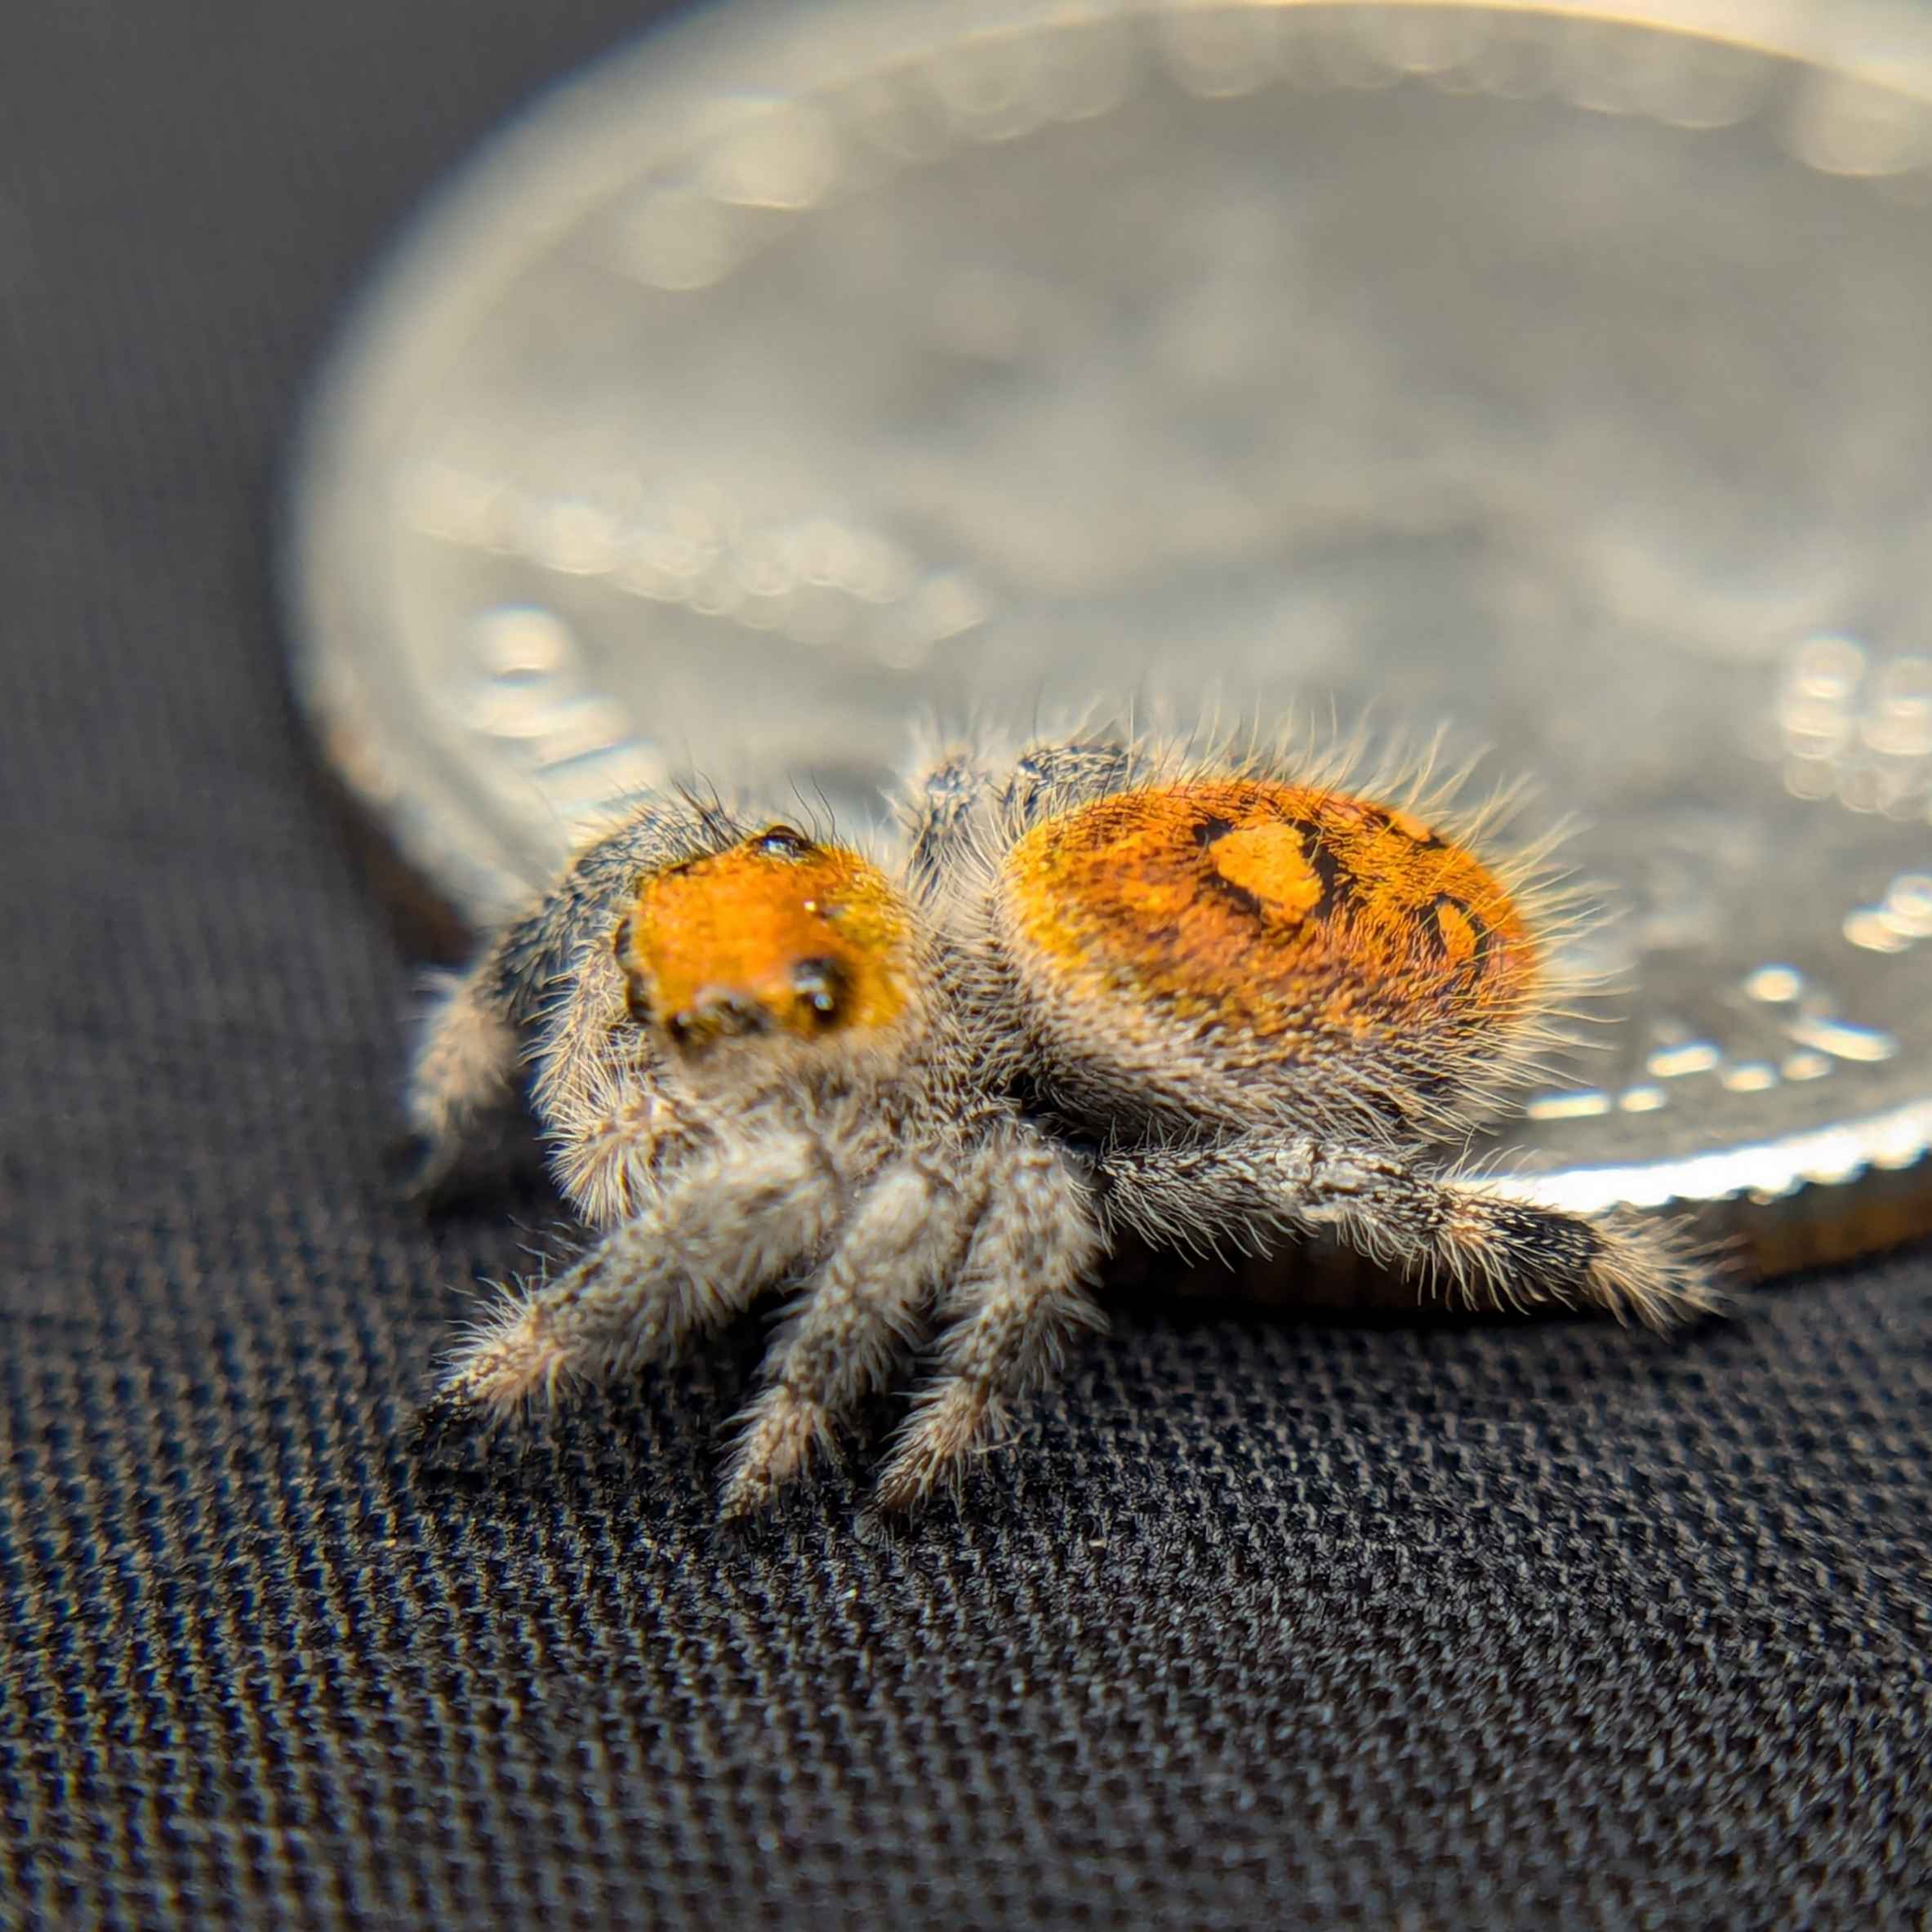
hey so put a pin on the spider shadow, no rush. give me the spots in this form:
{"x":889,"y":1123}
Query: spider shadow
{"x":1302,"y":1280}
{"x":1314,"y":1299}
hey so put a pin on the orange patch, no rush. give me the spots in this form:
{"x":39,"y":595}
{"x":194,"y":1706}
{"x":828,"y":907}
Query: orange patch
{"x":1459,"y":934}
{"x":1270,"y":862}
{"x":774,"y":935}
{"x":1271,"y":909}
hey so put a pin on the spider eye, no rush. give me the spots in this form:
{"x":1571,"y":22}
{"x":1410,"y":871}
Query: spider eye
{"x":822,"y":985}
{"x":782,"y":842}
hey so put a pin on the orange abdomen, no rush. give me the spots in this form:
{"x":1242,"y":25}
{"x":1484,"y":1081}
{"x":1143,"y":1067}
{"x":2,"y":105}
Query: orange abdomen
{"x":1281,"y":920}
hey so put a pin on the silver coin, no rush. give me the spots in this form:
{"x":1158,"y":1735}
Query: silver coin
{"x":1562,"y":381}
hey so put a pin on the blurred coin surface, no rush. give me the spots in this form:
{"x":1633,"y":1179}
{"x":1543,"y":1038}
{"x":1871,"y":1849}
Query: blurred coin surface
{"x":1560,"y":381}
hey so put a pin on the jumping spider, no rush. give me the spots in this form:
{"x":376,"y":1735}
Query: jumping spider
{"x":1113,"y":987}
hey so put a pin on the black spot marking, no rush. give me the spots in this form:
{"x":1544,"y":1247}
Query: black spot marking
{"x":823,"y":985}
{"x":1384,"y":820}
{"x":782,"y":842}
{"x":1336,"y":881}
{"x":1237,"y":895}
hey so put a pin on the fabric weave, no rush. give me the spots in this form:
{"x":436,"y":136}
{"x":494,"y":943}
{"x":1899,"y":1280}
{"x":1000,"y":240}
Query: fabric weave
{"x":1266,"y":1623}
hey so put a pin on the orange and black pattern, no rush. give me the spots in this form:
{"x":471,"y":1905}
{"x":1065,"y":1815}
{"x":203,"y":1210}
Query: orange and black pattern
{"x":1285,"y":912}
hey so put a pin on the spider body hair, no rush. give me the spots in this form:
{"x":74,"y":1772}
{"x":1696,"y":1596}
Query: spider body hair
{"x":1195,"y":994}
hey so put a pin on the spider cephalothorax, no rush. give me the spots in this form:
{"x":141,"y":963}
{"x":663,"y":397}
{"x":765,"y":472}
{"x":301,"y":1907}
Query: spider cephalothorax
{"x":1208,"y":1000}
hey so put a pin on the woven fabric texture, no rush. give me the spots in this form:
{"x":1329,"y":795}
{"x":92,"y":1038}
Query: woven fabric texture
{"x":1270,"y":1623}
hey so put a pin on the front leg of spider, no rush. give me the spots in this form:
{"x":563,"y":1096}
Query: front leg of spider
{"x":463,"y":1075}
{"x":1019,"y":1300}
{"x":723,"y":1229}
{"x":859,"y":1320}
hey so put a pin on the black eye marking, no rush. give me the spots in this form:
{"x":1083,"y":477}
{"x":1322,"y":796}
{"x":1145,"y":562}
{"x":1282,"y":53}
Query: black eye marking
{"x":782,"y":842}
{"x":822,"y":984}
{"x":1430,"y":921}
{"x":1210,"y":829}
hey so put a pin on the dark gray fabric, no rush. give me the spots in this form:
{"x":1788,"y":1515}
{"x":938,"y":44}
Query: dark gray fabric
{"x":1270,"y":1623}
